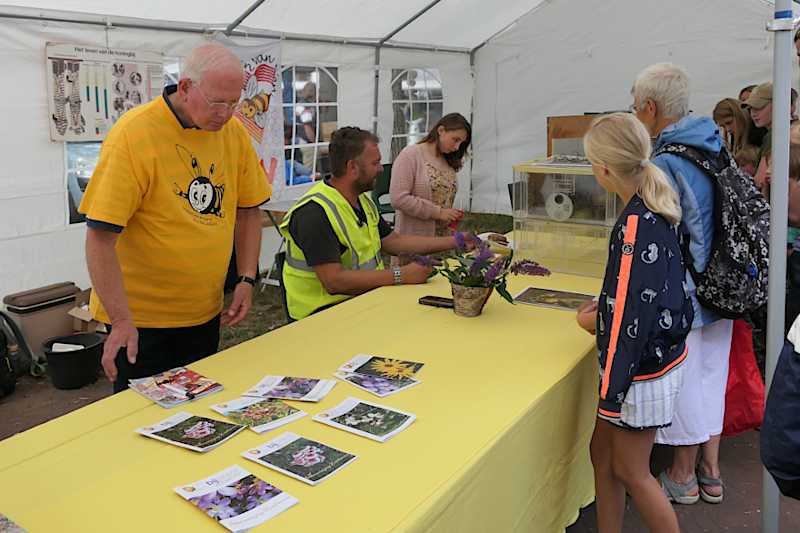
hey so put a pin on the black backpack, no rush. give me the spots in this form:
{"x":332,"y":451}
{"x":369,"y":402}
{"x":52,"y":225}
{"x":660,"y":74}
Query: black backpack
{"x":735,"y":279}
{"x":12,"y":366}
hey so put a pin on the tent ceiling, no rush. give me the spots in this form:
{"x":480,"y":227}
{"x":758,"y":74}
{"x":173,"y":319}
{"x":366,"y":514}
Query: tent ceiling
{"x":449,"y":24}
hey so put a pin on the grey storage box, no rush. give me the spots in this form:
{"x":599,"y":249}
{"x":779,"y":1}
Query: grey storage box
{"x":41,"y":313}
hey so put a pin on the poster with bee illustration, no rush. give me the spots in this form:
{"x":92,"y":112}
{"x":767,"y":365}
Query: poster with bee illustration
{"x":260,"y":107}
{"x":90,"y":88}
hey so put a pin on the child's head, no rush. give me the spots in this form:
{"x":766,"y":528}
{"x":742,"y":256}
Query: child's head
{"x":618,"y":146}
{"x":794,"y":162}
{"x":747,"y":159}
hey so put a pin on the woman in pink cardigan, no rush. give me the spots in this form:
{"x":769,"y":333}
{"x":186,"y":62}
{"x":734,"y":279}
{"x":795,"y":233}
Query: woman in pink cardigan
{"x":424,"y":184}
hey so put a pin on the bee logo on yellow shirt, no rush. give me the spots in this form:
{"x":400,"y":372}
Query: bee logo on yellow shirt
{"x":204,"y":197}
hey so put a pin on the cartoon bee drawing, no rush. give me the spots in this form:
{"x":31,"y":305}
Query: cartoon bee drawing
{"x":256,"y":101}
{"x":204,"y":197}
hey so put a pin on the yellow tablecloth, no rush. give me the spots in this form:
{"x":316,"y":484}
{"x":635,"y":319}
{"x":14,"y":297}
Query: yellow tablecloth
{"x":505,"y":412}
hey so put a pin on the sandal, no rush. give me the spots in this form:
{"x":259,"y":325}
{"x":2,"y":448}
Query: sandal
{"x":678,"y":492}
{"x":705,"y":481}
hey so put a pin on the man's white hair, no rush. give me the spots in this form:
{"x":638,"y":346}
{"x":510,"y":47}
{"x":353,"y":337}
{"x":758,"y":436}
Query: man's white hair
{"x":667,"y":85}
{"x":206,"y":58}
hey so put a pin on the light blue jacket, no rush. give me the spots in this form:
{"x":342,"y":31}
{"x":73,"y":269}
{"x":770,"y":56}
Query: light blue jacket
{"x":696,"y":191}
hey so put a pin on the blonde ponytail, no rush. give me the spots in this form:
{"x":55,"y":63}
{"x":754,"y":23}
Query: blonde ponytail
{"x":658,"y":195}
{"x":621,"y":143}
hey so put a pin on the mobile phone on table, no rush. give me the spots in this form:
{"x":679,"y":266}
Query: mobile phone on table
{"x":437,"y":301}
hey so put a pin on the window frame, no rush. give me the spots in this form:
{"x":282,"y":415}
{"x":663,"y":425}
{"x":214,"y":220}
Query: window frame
{"x":289,"y":109}
{"x":428,"y":72}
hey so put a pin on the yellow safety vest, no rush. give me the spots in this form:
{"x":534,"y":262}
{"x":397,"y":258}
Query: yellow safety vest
{"x":304,"y":291}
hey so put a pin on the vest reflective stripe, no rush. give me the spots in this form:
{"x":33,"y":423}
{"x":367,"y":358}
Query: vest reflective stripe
{"x":299,"y":264}
{"x":304,"y":291}
{"x":338,"y":217}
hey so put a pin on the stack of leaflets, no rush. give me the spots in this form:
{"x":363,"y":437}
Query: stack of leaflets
{"x":307,"y":460}
{"x":193,"y":432}
{"x":288,"y":388}
{"x":237,"y":499}
{"x":376,"y":422}
{"x":174,"y":387}
{"x":258,"y":414}
{"x":381,"y":376}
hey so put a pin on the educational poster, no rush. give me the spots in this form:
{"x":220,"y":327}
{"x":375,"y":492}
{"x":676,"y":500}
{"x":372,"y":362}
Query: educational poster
{"x":90,"y":88}
{"x":261,"y":105}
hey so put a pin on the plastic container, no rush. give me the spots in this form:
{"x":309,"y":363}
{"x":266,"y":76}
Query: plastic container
{"x":562,"y":217}
{"x":73,"y":370}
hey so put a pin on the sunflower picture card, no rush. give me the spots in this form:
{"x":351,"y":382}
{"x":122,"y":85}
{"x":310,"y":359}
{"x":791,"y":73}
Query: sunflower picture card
{"x":370,"y":420}
{"x":259,"y":414}
{"x":378,"y":386}
{"x":193,"y":432}
{"x":382,"y":367}
{"x":237,"y":499}
{"x":303,"y":459}
{"x":291,"y":388}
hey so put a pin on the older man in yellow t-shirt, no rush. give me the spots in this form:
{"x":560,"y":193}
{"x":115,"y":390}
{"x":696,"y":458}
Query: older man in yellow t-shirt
{"x":177,"y":183}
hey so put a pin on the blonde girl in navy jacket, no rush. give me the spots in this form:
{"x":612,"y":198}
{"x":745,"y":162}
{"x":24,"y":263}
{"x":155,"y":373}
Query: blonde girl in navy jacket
{"x":641,"y":321}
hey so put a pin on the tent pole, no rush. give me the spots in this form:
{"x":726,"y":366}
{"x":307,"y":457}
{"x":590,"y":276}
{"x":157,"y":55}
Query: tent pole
{"x":232,"y":26}
{"x":409,"y":21}
{"x":139,"y":24}
{"x":472,"y":122}
{"x":782,"y":25}
{"x":375,"y":100}
{"x":378,"y":47}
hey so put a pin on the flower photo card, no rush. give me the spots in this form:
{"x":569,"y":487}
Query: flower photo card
{"x":237,"y":499}
{"x":290,"y":388}
{"x":307,"y":460}
{"x":193,"y":432}
{"x":378,"y":386}
{"x":175,"y":386}
{"x":258,"y":414}
{"x":370,"y":420}
{"x":382,"y":367}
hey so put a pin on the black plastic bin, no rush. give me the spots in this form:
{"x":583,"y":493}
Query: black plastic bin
{"x":73,"y":370}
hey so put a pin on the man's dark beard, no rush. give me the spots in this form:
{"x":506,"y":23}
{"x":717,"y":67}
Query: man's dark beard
{"x":361,"y":184}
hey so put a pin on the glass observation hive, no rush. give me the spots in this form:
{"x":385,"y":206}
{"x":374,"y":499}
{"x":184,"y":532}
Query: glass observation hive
{"x":562,"y":217}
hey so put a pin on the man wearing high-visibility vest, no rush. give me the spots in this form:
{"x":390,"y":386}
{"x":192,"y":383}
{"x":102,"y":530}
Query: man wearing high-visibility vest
{"x":335,"y":235}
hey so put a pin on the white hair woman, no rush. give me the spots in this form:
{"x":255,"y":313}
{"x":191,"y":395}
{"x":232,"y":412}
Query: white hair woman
{"x":661,"y":103}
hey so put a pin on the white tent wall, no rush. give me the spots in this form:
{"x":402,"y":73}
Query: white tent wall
{"x":567,"y":58}
{"x":457,"y":85}
{"x":37,"y":244}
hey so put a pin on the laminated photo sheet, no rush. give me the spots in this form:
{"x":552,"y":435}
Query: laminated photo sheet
{"x":370,"y":420}
{"x":382,"y":367}
{"x":193,"y":432}
{"x":552,"y":298}
{"x":291,"y":388}
{"x":259,"y":414}
{"x":303,"y":459}
{"x":237,"y":499}
{"x":378,"y":386}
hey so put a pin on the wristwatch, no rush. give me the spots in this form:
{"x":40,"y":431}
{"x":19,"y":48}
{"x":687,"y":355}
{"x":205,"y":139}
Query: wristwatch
{"x":246,"y":279}
{"x":398,"y":275}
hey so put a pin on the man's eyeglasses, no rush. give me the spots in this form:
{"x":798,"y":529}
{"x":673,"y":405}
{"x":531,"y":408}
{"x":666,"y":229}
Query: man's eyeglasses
{"x":217,"y":106}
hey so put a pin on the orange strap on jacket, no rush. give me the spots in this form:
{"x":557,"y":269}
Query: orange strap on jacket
{"x":621,"y":295}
